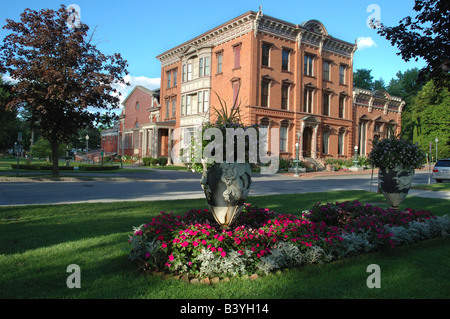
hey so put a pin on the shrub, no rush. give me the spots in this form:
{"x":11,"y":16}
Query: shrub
{"x":162,"y":161}
{"x":285,"y":164}
{"x":40,"y":167}
{"x":146,"y":161}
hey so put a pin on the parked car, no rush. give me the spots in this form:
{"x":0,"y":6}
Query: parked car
{"x":441,"y":170}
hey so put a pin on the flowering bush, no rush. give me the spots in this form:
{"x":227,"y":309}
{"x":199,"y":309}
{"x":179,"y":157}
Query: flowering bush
{"x":393,"y":152}
{"x":262,"y":240}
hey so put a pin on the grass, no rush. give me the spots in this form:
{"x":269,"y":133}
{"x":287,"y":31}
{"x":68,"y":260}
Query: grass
{"x":433,"y":187}
{"x":6,"y":170}
{"x":39,"y":242}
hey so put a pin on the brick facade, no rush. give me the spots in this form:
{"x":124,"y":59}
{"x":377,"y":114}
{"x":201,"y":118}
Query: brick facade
{"x":294,"y":77}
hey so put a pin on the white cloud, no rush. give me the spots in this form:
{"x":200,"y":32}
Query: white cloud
{"x":8,"y":79}
{"x":365,"y":42}
{"x":149,"y":83}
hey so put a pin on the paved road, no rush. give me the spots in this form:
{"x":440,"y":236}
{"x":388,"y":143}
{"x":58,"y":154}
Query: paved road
{"x":165,"y":184}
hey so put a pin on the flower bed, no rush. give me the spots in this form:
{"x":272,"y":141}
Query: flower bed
{"x":262,"y":241}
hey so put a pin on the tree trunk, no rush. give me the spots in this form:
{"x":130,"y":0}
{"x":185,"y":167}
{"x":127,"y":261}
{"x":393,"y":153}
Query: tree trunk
{"x":55,"y":157}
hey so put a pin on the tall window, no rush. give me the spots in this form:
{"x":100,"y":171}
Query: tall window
{"x":168,"y":79}
{"x":283,"y":138}
{"x":308,"y":65}
{"x":326,"y":104}
{"x":219,"y":62}
{"x":342,"y":74}
{"x":136,"y":138}
{"x":189,"y":71}
{"x":326,"y":70}
{"x":174,"y":107}
{"x":341,"y":143}
{"x":207,"y":66}
{"x":265,"y":54}
{"x":235,"y":93}
{"x":188,"y":104}
{"x":183,"y":105}
{"x":237,"y":56}
{"x":183,"y":73}
{"x":341,"y":106}
{"x":205,"y":101}
{"x":284,"y":97}
{"x":200,"y":67}
{"x":362,"y":138}
{"x":325,"y":140}
{"x":307,"y":100}
{"x":203,"y":66}
{"x":167,"y":108}
{"x":175,"y":74}
{"x":200,"y":101}
{"x":285,"y":60}
{"x":265,"y":93}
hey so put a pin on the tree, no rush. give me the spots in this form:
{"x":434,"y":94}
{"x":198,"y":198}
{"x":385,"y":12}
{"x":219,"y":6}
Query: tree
{"x":9,"y":124}
{"x":379,"y":85}
{"x":43,"y":149}
{"x":406,"y":86}
{"x":363,"y":79}
{"x":431,"y":118}
{"x":60,"y":74}
{"x":427,"y":37}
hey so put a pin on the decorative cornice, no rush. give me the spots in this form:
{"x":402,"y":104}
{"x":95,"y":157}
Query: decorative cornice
{"x":311,"y":32}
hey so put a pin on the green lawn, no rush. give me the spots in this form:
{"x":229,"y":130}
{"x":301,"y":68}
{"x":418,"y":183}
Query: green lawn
{"x":39,"y":242}
{"x":434,"y":187}
{"x":6,"y":170}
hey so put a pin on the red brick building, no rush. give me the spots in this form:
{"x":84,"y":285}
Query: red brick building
{"x":295,"y":77}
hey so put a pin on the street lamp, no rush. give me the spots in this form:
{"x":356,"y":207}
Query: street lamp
{"x":297,"y":147}
{"x":355,"y":162}
{"x":436,"y":140}
{"x":87,"y":147}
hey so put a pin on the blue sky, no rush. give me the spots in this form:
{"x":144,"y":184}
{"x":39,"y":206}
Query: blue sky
{"x":142,"y":29}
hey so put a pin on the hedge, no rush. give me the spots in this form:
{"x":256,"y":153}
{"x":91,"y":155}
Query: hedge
{"x":66,"y":168}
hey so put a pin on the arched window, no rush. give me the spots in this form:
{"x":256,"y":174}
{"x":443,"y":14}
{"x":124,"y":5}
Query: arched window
{"x":137,"y":106}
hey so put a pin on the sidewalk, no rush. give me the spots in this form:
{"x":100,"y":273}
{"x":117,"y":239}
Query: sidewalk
{"x":345,"y":173}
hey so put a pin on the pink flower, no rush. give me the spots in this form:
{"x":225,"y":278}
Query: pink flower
{"x":223,"y":254}
{"x":220,"y":238}
{"x":185,"y":244}
{"x":147,"y":254}
{"x":203,"y":242}
{"x":195,"y":244}
{"x":163,"y":245}
{"x":171,"y":257}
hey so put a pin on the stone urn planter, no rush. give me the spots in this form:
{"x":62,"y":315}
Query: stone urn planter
{"x":395,"y":184}
{"x":226,"y":187}
{"x":396,"y":159}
